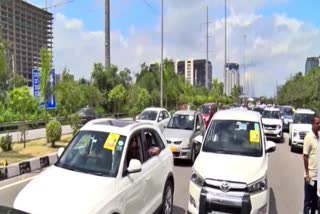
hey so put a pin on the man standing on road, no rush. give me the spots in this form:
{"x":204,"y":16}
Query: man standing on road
{"x":310,"y":159}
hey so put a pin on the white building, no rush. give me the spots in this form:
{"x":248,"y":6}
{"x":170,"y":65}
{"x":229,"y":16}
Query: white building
{"x":194,"y":71}
{"x":232,"y":77}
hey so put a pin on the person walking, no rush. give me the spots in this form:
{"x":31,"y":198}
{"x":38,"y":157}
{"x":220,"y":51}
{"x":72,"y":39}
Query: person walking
{"x":310,"y":159}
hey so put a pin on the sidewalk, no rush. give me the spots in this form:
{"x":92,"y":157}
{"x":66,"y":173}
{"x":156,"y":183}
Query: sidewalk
{"x":36,"y":133}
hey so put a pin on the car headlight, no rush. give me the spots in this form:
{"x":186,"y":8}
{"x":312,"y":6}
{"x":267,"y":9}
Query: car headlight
{"x":258,"y":186}
{"x":197,"y":179}
{"x":177,"y":142}
{"x":278,"y":126}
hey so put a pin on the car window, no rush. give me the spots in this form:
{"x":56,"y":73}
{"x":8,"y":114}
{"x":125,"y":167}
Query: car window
{"x":181,"y":121}
{"x":166,"y":114}
{"x":302,"y":118}
{"x":134,"y":151}
{"x":205,"y":109}
{"x":152,"y":139}
{"x":271,"y":114}
{"x":234,"y":137}
{"x":200,"y":121}
{"x":197,"y":120}
{"x":148,"y":115}
{"x":94,"y":152}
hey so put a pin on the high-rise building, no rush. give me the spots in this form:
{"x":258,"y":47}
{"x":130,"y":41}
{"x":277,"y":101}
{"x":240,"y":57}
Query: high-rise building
{"x":311,"y":63}
{"x":27,"y":29}
{"x":194,"y":71}
{"x":232,"y":77}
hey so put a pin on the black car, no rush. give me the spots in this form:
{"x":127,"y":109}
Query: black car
{"x":287,"y":113}
{"x":87,"y":114}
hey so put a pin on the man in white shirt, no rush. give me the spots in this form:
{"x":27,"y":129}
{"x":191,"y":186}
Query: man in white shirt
{"x":310,"y":159}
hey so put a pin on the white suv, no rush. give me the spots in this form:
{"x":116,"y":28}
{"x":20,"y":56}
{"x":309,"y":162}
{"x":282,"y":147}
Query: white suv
{"x":158,"y":116}
{"x":110,"y":166}
{"x":272,"y":123}
{"x":300,"y":126}
{"x":230,"y":173}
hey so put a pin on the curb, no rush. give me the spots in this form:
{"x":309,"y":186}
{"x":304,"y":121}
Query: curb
{"x":27,"y":166}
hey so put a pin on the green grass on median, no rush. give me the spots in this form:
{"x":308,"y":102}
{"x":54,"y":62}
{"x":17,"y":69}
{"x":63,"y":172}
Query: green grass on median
{"x":34,"y":148}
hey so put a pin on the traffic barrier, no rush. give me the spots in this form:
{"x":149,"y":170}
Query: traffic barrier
{"x":27,"y":166}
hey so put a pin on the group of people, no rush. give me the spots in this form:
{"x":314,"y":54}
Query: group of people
{"x":311,"y":158}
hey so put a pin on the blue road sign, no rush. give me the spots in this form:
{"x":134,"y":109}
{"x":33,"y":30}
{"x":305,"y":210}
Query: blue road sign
{"x":51,"y":102}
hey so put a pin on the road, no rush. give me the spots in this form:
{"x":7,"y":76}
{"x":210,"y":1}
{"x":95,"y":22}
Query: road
{"x":36,"y":133}
{"x":285,"y":182}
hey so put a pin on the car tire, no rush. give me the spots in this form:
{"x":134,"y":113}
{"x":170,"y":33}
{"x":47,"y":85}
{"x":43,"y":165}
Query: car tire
{"x":193,"y":155}
{"x":167,"y":199}
{"x":292,"y":149}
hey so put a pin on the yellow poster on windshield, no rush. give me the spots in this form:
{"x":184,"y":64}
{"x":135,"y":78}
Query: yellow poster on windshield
{"x":111,"y":141}
{"x":254,"y":136}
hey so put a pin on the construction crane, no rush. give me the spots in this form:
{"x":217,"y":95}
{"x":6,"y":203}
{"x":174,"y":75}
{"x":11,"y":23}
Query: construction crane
{"x":57,"y":4}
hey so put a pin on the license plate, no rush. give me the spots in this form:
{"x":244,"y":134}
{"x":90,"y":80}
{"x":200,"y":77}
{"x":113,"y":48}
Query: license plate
{"x":173,"y":149}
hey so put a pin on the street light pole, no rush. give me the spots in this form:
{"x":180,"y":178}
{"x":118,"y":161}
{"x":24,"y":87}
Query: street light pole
{"x":161,"y":66}
{"x":225,"y":46}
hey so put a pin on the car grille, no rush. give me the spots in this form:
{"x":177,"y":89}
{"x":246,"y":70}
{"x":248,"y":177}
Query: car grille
{"x":270,"y":126}
{"x":234,"y":187}
{"x":168,"y":142}
{"x":174,"y":142}
{"x":302,"y":135}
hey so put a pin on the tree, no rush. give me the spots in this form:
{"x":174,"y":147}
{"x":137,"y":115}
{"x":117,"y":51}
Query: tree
{"x":118,"y":95}
{"x":45,"y":69}
{"x":125,"y":77}
{"x":23,"y":102}
{"x":16,"y":81}
{"x":235,"y":93}
{"x":217,"y":90}
{"x":138,"y":99}
{"x":3,"y":65}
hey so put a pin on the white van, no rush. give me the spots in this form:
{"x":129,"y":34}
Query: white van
{"x":230,"y":173}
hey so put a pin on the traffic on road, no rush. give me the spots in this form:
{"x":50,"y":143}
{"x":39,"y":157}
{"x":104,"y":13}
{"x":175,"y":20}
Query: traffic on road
{"x":125,"y":166}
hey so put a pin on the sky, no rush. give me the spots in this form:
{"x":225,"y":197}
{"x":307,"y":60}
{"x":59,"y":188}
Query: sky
{"x":272,"y":38}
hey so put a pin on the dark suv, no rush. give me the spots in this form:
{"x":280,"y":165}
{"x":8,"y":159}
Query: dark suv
{"x":87,"y":114}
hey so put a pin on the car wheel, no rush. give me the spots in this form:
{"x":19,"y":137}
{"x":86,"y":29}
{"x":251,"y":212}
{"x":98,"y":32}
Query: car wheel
{"x":193,"y":154}
{"x":167,"y":199}
{"x":292,"y":149}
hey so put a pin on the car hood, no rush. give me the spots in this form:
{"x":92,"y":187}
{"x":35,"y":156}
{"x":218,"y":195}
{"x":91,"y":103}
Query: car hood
{"x":177,"y":134}
{"x":59,"y":190}
{"x":231,"y":167}
{"x":269,"y":121}
{"x":302,"y":127}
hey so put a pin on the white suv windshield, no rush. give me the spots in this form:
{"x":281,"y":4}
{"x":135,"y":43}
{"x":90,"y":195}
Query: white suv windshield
{"x":93,"y":152}
{"x":148,"y":115}
{"x":180,"y":121}
{"x":271,"y":114}
{"x":302,"y":118}
{"x":234,"y":137}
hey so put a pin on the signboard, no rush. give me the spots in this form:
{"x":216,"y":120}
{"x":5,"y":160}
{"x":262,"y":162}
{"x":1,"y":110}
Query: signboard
{"x":51,"y":102}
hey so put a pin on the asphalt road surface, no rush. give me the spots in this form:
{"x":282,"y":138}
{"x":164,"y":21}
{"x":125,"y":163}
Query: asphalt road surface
{"x":285,"y":182}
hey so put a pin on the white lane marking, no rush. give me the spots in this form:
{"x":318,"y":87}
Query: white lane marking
{"x":18,"y":182}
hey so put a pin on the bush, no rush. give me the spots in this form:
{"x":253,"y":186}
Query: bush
{"x":54,"y":131}
{"x":6,"y":143}
{"x":75,"y":122}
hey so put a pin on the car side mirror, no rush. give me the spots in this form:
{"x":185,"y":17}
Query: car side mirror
{"x":60,"y":151}
{"x":198,"y":139}
{"x":134,"y":166}
{"x":270,"y":146}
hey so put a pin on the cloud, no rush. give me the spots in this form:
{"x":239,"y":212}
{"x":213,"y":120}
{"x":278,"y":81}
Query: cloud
{"x":276,"y":46}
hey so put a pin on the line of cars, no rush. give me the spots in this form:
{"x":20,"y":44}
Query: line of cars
{"x":120,"y":166}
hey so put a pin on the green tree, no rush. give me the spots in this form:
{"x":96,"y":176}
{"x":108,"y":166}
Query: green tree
{"x":21,"y":101}
{"x":118,"y":96}
{"x":217,"y":90}
{"x":235,"y":93}
{"x":125,"y":77}
{"x":3,"y":64}
{"x":138,"y":99}
{"x":45,"y":69}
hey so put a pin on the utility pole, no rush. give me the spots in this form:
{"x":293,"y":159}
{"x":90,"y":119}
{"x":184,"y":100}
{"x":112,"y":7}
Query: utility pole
{"x":107,"y":34}
{"x":161,"y":66}
{"x":244,"y":64}
{"x":225,"y":46}
{"x":207,"y":52}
